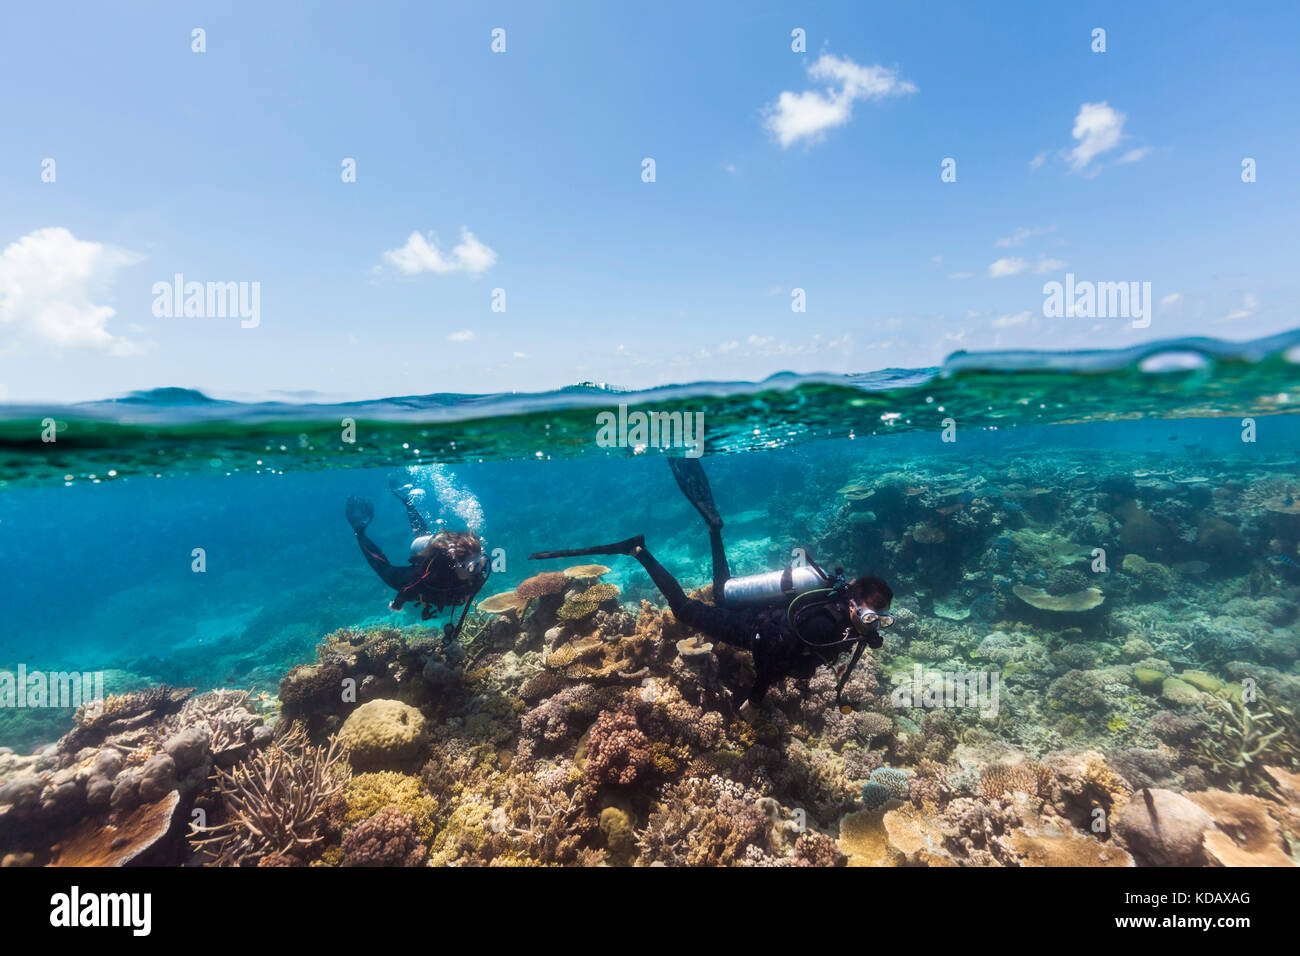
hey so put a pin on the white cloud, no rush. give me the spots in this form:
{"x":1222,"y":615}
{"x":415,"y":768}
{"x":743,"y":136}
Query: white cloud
{"x":464,"y":335}
{"x":422,"y":255}
{"x":1006,"y":321}
{"x":1172,"y":299}
{"x":1048,"y":265}
{"x":1133,"y":155}
{"x":52,"y":287}
{"x":1021,"y":234}
{"x":807,"y":115}
{"x":1010,"y":266}
{"x":1098,"y":128}
{"x":961,"y":275}
{"x":1038,"y":160}
{"x":1249,"y":306}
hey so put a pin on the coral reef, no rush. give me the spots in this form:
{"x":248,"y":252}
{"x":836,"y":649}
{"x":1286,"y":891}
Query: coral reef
{"x":274,"y":804}
{"x":1049,"y":695}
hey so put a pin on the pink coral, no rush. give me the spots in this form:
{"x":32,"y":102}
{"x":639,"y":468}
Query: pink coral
{"x":386,"y":839}
{"x":617,"y":751}
{"x":540,"y":585}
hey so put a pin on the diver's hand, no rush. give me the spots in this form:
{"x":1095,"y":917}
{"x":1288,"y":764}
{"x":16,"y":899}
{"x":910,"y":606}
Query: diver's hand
{"x":360,"y":513}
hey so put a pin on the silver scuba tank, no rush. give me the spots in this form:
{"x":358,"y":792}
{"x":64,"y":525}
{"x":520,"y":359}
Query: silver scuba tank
{"x":772,"y":585}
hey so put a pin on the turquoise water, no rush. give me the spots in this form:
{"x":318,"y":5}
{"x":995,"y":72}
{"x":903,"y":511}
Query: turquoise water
{"x":99,"y":528}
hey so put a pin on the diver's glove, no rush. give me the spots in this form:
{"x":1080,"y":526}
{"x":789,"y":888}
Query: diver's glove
{"x":874,"y":640}
{"x":360,"y":513}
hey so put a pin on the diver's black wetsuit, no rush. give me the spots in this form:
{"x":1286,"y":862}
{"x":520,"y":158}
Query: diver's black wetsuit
{"x":783,"y":643}
{"x":430,"y":582}
{"x":763,"y":631}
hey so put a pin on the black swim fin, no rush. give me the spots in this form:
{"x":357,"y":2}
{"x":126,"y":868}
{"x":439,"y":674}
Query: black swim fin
{"x":695,"y":486}
{"x":618,"y":547}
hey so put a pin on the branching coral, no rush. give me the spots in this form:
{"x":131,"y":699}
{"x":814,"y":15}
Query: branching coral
{"x":389,"y":838}
{"x":1243,"y":740}
{"x":617,"y":751}
{"x":275,"y":802}
{"x":705,"y":822}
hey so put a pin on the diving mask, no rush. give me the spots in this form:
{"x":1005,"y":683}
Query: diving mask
{"x":865,"y":617}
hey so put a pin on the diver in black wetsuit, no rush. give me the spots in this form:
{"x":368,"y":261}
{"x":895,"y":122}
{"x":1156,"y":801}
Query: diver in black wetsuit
{"x":446,"y":569}
{"x":789,"y":635}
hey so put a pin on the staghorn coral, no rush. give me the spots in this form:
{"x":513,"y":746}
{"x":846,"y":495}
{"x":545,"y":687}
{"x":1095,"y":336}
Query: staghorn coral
{"x":274,"y":803}
{"x":550,"y":817}
{"x":1243,"y":740}
{"x":705,"y":822}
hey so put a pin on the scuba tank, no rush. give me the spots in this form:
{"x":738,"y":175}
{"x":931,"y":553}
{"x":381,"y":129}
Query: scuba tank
{"x":773,"y":585}
{"x":802,"y":587}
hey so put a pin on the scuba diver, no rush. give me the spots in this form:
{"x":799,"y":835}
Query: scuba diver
{"x":446,"y":569}
{"x":790,"y":620}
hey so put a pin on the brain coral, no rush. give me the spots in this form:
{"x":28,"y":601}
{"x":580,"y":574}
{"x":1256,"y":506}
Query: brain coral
{"x":382,"y":733}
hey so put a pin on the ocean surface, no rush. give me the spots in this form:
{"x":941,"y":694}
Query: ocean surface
{"x":169,"y":537}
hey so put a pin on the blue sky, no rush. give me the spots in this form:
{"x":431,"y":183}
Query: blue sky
{"x":225,"y":166}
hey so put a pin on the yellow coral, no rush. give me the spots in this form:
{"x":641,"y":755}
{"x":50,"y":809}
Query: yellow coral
{"x":368,"y":793}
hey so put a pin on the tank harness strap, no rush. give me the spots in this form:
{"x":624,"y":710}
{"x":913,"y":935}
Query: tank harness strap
{"x":455,"y":634}
{"x":858,"y":642}
{"x":848,"y":671}
{"x":787,"y":581}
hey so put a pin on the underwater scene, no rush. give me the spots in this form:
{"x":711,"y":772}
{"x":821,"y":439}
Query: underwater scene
{"x":1085,"y":653}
